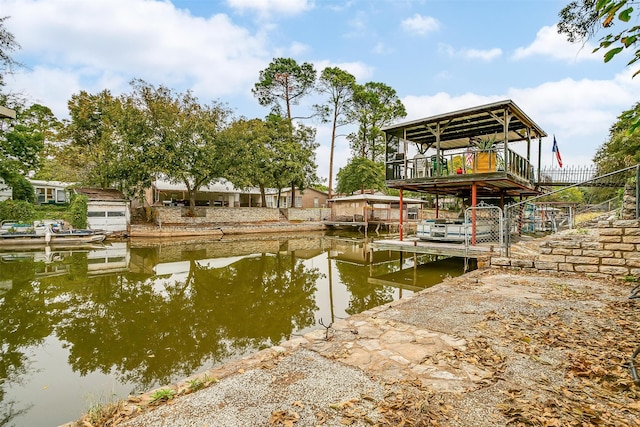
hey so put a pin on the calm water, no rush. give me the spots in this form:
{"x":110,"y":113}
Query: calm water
{"x":84,"y":327}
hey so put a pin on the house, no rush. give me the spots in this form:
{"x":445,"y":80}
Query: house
{"x":223,"y":193}
{"x":220,"y":193}
{"x":307,"y":198}
{"x":50,"y":192}
{"x":107,"y":209}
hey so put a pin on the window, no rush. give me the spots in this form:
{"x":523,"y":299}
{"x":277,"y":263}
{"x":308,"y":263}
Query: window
{"x":115,"y":213}
{"x":315,"y":202}
{"x":61,"y":197}
{"x":298,"y":201}
{"x":96,"y":214}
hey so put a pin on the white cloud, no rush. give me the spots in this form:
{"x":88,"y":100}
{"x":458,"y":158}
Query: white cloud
{"x":420,"y":25}
{"x":578,"y":112}
{"x":272,"y":7}
{"x":484,"y":55}
{"x":297,"y":48}
{"x":382,"y":49}
{"x":123,"y":39}
{"x":551,"y":44}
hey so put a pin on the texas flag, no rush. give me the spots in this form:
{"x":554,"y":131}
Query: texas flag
{"x":557,"y":151}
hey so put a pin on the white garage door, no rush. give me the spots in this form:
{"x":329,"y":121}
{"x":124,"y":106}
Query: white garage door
{"x":109,"y":217}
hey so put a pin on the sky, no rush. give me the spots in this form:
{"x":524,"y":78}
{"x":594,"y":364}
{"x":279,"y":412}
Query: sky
{"x":438,"y":55}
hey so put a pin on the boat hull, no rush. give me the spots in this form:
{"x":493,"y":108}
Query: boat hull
{"x":15,"y":240}
{"x":450,"y":230}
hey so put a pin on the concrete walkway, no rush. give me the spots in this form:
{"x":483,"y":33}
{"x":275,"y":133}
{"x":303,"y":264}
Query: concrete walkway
{"x":490,"y":348}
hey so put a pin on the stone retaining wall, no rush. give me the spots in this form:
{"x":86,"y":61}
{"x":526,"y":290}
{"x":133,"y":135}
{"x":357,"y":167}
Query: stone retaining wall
{"x":628,"y":210}
{"x":213,"y":215}
{"x":614,"y":254}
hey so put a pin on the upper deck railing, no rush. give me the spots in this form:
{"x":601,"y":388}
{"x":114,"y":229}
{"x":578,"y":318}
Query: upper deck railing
{"x":461,"y":163}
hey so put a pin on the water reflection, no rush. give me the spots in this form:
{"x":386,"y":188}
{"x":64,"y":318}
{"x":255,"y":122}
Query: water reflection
{"x":137,"y":316}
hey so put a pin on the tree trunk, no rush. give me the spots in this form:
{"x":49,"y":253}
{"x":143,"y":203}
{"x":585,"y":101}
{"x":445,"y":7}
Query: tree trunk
{"x":333,"y":143}
{"x":263,"y":196}
{"x":293,"y":195}
{"x":278,"y":202}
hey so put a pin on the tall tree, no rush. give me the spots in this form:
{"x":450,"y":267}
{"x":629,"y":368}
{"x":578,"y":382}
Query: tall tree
{"x":338,"y":86}
{"x":622,"y":149}
{"x":184,"y":138}
{"x":375,"y":105}
{"x":283,"y":84}
{"x":8,"y":45}
{"x":21,"y":144}
{"x":94,"y":142}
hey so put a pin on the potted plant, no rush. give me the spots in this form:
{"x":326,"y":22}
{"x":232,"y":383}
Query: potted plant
{"x":485,"y":156}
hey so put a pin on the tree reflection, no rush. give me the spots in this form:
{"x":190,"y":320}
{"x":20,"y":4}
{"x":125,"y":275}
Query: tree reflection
{"x":154,"y":331}
{"x":25,"y":323}
{"x":363,"y":294}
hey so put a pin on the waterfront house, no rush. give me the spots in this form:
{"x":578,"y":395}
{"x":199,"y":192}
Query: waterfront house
{"x":51,"y":192}
{"x":223,"y":193}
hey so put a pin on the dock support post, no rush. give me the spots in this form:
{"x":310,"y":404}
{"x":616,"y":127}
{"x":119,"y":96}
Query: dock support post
{"x":474,"y":199}
{"x":401,"y":215}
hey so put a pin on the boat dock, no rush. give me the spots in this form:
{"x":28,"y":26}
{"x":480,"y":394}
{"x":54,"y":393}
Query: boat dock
{"x":413,"y":245}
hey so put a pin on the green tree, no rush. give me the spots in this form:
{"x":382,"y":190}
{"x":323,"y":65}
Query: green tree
{"x":338,"y":86}
{"x":94,"y":144}
{"x":283,"y":84}
{"x":184,"y":139}
{"x":360,"y":174}
{"x":21,"y":144}
{"x":375,"y":105}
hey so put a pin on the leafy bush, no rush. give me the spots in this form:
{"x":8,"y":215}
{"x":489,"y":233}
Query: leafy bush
{"x":17,"y":210}
{"x":22,"y":189}
{"x":78,"y":211}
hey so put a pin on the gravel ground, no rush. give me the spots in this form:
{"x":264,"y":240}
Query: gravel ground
{"x":301,"y":387}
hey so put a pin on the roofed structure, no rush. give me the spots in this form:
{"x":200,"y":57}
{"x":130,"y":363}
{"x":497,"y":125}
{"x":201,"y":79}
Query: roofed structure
{"x":443,"y":154}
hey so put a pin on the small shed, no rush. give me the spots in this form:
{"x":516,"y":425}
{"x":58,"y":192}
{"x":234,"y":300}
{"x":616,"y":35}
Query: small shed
{"x":107,"y":209}
{"x":374,"y":208}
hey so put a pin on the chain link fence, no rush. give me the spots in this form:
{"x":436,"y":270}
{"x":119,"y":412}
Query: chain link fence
{"x":484,"y":225}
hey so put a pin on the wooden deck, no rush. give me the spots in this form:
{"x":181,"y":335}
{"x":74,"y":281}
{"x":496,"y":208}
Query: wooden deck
{"x":413,"y":245}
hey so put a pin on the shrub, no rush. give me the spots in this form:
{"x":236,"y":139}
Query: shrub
{"x":17,"y":210}
{"x":78,"y":211}
{"x":22,"y":189}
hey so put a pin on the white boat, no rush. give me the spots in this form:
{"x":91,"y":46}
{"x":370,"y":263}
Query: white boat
{"x":451,"y":230}
{"x":14,"y":234}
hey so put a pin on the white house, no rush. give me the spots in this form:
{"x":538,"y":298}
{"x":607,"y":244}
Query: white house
{"x":53,"y":192}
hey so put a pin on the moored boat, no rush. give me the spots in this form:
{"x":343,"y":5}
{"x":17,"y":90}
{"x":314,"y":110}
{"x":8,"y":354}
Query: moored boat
{"x":45,"y":234}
